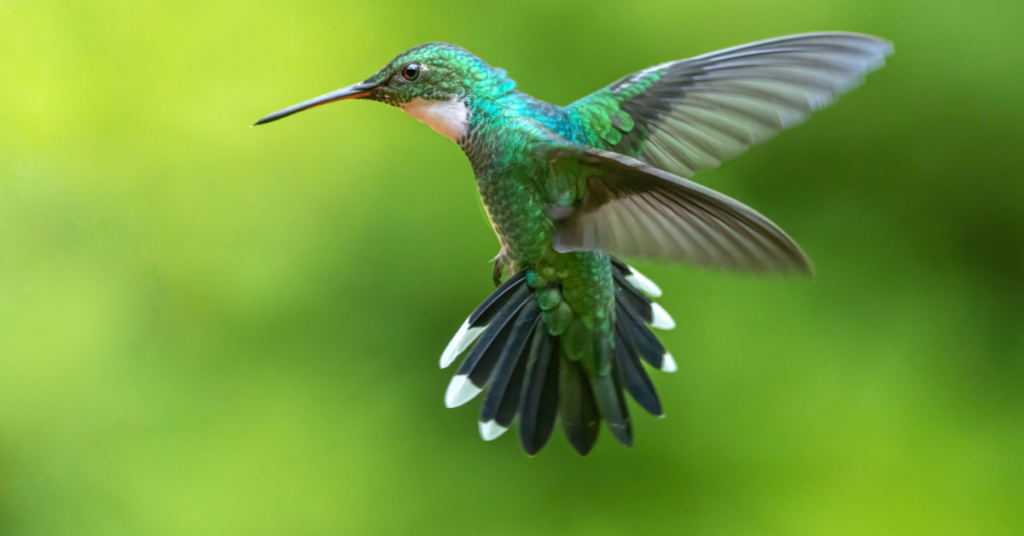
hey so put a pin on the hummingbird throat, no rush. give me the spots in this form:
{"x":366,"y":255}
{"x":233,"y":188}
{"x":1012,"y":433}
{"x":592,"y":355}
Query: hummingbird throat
{"x":450,"y":117}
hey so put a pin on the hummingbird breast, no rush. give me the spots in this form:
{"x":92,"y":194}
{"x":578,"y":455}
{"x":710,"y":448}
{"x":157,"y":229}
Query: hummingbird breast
{"x":517,"y":215}
{"x":509,"y":175}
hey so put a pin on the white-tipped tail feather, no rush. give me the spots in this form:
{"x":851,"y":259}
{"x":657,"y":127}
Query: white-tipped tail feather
{"x":490,"y":430}
{"x":641,"y":282}
{"x":668,"y":364}
{"x":462,"y":339}
{"x":523,"y":377}
{"x":661,"y":318}
{"x":460,"y":390}
{"x":471,"y":336}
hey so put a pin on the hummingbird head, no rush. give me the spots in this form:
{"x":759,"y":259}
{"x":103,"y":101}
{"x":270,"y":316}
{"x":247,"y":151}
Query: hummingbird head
{"x":439,"y":84}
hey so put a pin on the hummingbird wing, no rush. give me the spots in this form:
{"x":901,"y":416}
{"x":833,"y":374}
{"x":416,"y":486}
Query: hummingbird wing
{"x":690,"y":115}
{"x":611,"y":202}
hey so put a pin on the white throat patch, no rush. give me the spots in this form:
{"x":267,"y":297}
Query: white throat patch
{"x":450,"y":117}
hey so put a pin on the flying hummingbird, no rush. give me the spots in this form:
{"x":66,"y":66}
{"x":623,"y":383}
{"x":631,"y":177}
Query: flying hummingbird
{"x":566,"y":188}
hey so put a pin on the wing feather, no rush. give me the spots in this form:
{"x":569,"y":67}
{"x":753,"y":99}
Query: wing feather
{"x":690,"y":115}
{"x":632,"y":209}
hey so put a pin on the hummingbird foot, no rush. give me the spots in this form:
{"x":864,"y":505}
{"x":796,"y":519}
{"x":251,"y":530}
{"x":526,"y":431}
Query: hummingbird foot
{"x":500,"y":262}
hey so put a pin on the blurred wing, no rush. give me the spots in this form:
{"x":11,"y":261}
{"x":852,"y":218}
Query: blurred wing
{"x":689,"y":115}
{"x":627,"y":208}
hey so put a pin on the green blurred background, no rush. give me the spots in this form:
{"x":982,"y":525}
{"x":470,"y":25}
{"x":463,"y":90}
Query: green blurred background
{"x":207,"y":329}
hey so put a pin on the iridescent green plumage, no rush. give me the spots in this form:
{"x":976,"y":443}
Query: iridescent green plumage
{"x":567,"y":187}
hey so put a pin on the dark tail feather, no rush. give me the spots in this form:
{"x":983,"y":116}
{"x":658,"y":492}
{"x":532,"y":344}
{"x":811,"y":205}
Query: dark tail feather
{"x":476,"y":369}
{"x":538,"y":404}
{"x":610,"y":398}
{"x":630,"y":282}
{"x":527,"y":373}
{"x":636,"y":279}
{"x":502,"y":402}
{"x":577,"y":407}
{"x":486,"y":311}
{"x":634,"y":376}
{"x":629,"y":294}
{"x":481,"y":317}
{"x":645,"y":343}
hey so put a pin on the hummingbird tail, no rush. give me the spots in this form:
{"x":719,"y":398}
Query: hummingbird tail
{"x":527,"y":374}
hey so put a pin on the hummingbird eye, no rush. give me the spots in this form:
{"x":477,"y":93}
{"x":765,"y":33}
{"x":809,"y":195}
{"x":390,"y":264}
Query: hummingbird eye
{"x":411,"y":71}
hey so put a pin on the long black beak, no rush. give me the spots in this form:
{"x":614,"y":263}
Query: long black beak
{"x":355,"y":91}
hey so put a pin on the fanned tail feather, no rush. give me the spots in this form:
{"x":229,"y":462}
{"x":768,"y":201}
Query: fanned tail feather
{"x":481,"y":317}
{"x":538,"y":403}
{"x":610,"y":398}
{"x":502,"y":402}
{"x":637,"y":382}
{"x":527,"y":374}
{"x":577,"y":408}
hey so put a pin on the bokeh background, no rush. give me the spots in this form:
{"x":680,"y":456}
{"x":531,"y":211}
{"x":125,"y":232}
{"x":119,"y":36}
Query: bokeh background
{"x":207,"y":329}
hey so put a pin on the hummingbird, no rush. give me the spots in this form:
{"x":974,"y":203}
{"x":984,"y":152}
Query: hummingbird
{"x":569,"y":190}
